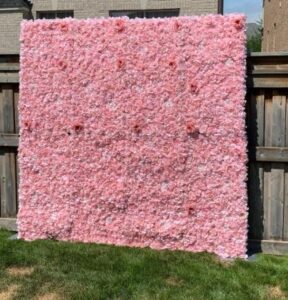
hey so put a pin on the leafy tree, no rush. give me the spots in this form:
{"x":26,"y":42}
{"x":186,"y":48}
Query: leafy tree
{"x":254,"y":41}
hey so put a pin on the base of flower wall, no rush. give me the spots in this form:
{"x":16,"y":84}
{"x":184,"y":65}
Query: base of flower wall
{"x":133,"y":132}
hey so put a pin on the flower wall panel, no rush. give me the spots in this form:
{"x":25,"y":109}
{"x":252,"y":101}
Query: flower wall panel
{"x":133,"y":132}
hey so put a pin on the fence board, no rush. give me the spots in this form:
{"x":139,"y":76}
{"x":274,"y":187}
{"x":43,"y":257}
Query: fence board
{"x":3,"y":205}
{"x":268,"y":121}
{"x":11,"y":192}
{"x":272,"y":154}
{"x":260,"y":117}
{"x":285,"y":206}
{"x":285,"y":218}
{"x":1,"y":110}
{"x":279,"y":120}
{"x":256,"y":177}
{"x":9,"y":66}
{"x":266,"y":202}
{"x":8,"y":224}
{"x":9,"y":140}
{"x":267,"y":168}
{"x":276,"y":204}
{"x":255,"y":118}
{"x":17,"y":179}
{"x":7,"y":109}
{"x":15,"y":106}
{"x":9,"y":78}
{"x":266,"y":82}
{"x":8,"y":184}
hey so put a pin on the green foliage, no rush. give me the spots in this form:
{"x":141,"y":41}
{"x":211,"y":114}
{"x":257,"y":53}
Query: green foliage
{"x":254,"y":41}
{"x":90,"y":271}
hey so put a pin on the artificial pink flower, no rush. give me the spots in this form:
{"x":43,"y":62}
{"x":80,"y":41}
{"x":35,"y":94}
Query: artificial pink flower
{"x":120,"y":25}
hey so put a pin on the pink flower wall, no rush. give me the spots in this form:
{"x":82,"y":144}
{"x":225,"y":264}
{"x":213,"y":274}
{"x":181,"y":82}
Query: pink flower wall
{"x":133,"y":132}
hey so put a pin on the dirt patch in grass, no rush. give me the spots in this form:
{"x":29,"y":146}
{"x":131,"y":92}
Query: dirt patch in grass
{"x":223,"y":262}
{"x":275,"y":292}
{"x":173,"y":281}
{"x":9,"y":293}
{"x":16,"y":271}
{"x":49,"y":296}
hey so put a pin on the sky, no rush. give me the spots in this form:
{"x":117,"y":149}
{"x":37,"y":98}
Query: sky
{"x":251,"y":8}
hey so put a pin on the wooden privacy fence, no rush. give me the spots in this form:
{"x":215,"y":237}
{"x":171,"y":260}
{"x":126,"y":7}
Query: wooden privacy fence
{"x":267,"y":124}
{"x":9,"y":130}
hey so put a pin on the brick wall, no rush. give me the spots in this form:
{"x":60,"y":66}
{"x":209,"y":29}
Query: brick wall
{"x":92,"y":8}
{"x":9,"y":33}
{"x":275,"y":33}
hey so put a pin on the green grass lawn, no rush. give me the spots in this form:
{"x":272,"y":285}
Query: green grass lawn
{"x":51,"y":270}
